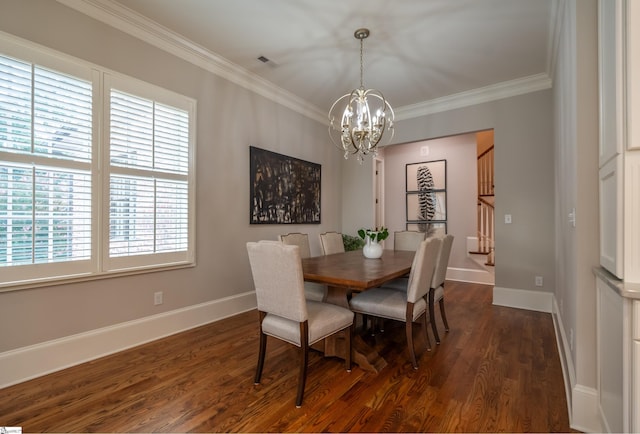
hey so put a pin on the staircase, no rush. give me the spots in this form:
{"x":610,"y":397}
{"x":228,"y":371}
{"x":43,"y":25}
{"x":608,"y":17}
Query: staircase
{"x":486,"y":205}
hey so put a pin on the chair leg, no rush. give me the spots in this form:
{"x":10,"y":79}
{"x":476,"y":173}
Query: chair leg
{"x":444,"y":315}
{"x":304,"y":359}
{"x":432,"y":316}
{"x":409,"y":331}
{"x":348,"y":338}
{"x":261,"y":352}
{"x":425,"y":332}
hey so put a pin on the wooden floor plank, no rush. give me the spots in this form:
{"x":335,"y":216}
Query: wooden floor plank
{"x":498,"y":369}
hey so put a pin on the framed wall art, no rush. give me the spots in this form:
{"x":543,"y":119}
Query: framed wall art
{"x":426,"y":192}
{"x":283,"y":189}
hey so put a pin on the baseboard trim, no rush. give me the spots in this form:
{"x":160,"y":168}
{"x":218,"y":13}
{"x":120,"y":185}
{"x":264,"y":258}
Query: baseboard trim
{"x":523,"y":299}
{"x":482,"y":277}
{"x":582,"y":401}
{"x":564,"y":350}
{"x":25,"y":363}
{"x":584,"y":411}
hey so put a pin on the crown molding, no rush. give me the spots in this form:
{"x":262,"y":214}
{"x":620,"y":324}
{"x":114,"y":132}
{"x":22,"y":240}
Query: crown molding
{"x":481,"y":95}
{"x":134,"y":24}
{"x":126,"y":20}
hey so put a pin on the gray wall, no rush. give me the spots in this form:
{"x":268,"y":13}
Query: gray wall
{"x":524,"y":181}
{"x":576,"y":150}
{"x":460,"y":153}
{"x":230,"y":118}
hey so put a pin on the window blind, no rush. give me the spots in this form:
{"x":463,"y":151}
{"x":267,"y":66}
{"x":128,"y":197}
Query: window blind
{"x":96,"y":170}
{"x":45,"y":172}
{"x":149,"y":154}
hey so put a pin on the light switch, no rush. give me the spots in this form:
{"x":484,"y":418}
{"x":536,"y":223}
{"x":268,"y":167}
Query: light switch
{"x":507,"y":219}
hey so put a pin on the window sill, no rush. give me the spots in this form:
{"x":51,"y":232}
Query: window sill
{"x":65,"y":280}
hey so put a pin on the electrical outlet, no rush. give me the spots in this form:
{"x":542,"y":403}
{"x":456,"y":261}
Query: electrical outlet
{"x":507,"y":219}
{"x":157,"y":298}
{"x":539,"y":281}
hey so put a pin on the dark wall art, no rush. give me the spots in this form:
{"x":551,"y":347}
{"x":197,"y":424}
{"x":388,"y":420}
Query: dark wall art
{"x":427,"y":196}
{"x":284,"y":190}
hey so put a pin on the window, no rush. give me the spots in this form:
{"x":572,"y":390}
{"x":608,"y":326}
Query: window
{"x":54,"y":193}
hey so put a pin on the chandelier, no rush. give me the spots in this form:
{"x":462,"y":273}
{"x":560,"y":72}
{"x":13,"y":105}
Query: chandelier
{"x":363,"y":119}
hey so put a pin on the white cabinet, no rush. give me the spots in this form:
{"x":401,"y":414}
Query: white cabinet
{"x":634,"y":392}
{"x":618,"y":349}
{"x":619,"y":142}
{"x":618,"y":281}
{"x":611,"y":213}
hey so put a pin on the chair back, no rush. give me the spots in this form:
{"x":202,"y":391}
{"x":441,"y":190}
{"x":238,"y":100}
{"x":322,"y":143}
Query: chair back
{"x":422,"y":269}
{"x":278,"y":279}
{"x":297,"y":239}
{"x":331,"y":242}
{"x":407,"y":240}
{"x":442,"y":262}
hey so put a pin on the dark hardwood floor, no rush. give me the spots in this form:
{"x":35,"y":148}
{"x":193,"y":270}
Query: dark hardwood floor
{"x":496,"y":370}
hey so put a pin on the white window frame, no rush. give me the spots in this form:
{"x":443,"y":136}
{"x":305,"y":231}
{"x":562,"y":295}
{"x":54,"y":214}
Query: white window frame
{"x":100,"y":265}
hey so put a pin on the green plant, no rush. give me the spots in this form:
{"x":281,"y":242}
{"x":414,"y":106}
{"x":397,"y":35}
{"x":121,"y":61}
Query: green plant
{"x":376,"y":234}
{"x":351,"y":243}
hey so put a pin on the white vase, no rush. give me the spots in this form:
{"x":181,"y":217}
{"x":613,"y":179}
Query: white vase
{"x":372,"y":249}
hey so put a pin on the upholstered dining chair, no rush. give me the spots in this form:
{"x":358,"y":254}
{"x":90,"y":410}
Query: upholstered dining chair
{"x":331,"y":242}
{"x":436,"y":290}
{"x":312,"y":290}
{"x":407,"y":240}
{"x":406,"y":306}
{"x":284,"y":313}
{"x":297,"y":239}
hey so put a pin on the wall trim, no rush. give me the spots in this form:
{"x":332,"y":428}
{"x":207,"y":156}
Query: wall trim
{"x":582,"y":401}
{"x":139,"y":26}
{"x":25,"y":363}
{"x":523,"y":299}
{"x":584,"y":410}
{"x":506,"y":89}
{"x":482,"y":277}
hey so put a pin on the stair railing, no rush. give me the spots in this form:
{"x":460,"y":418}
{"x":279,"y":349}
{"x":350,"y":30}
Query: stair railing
{"x":485,"y":173}
{"x":486,"y":212}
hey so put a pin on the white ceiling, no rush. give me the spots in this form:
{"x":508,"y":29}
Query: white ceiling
{"x":418,"y":51}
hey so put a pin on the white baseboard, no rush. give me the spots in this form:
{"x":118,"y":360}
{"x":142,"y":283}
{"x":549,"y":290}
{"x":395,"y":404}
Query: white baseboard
{"x":34,"y":361}
{"x":472,"y":276}
{"x":523,"y":299}
{"x":584,"y":411}
{"x":582,"y":401}
{"x":564,"y":350}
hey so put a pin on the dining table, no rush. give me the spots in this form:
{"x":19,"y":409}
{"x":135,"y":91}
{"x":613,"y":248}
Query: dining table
{"x":348,"y":272}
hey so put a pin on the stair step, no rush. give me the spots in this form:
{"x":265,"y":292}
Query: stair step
{"x":479,"y":252}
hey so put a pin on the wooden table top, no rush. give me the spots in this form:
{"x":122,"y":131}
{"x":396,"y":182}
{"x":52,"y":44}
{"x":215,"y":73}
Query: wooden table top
{"x":352,"y":270}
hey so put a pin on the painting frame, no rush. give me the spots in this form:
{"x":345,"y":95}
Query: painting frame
{"x":283,"y":189}
{"x":426,"y":196}
{"x":413,"y":206}
{"x":438,"y":169}
{"x":432,"y":228}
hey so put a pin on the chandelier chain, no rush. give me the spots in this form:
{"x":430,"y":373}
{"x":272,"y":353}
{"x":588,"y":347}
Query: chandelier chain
{"x":362,"y":63}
